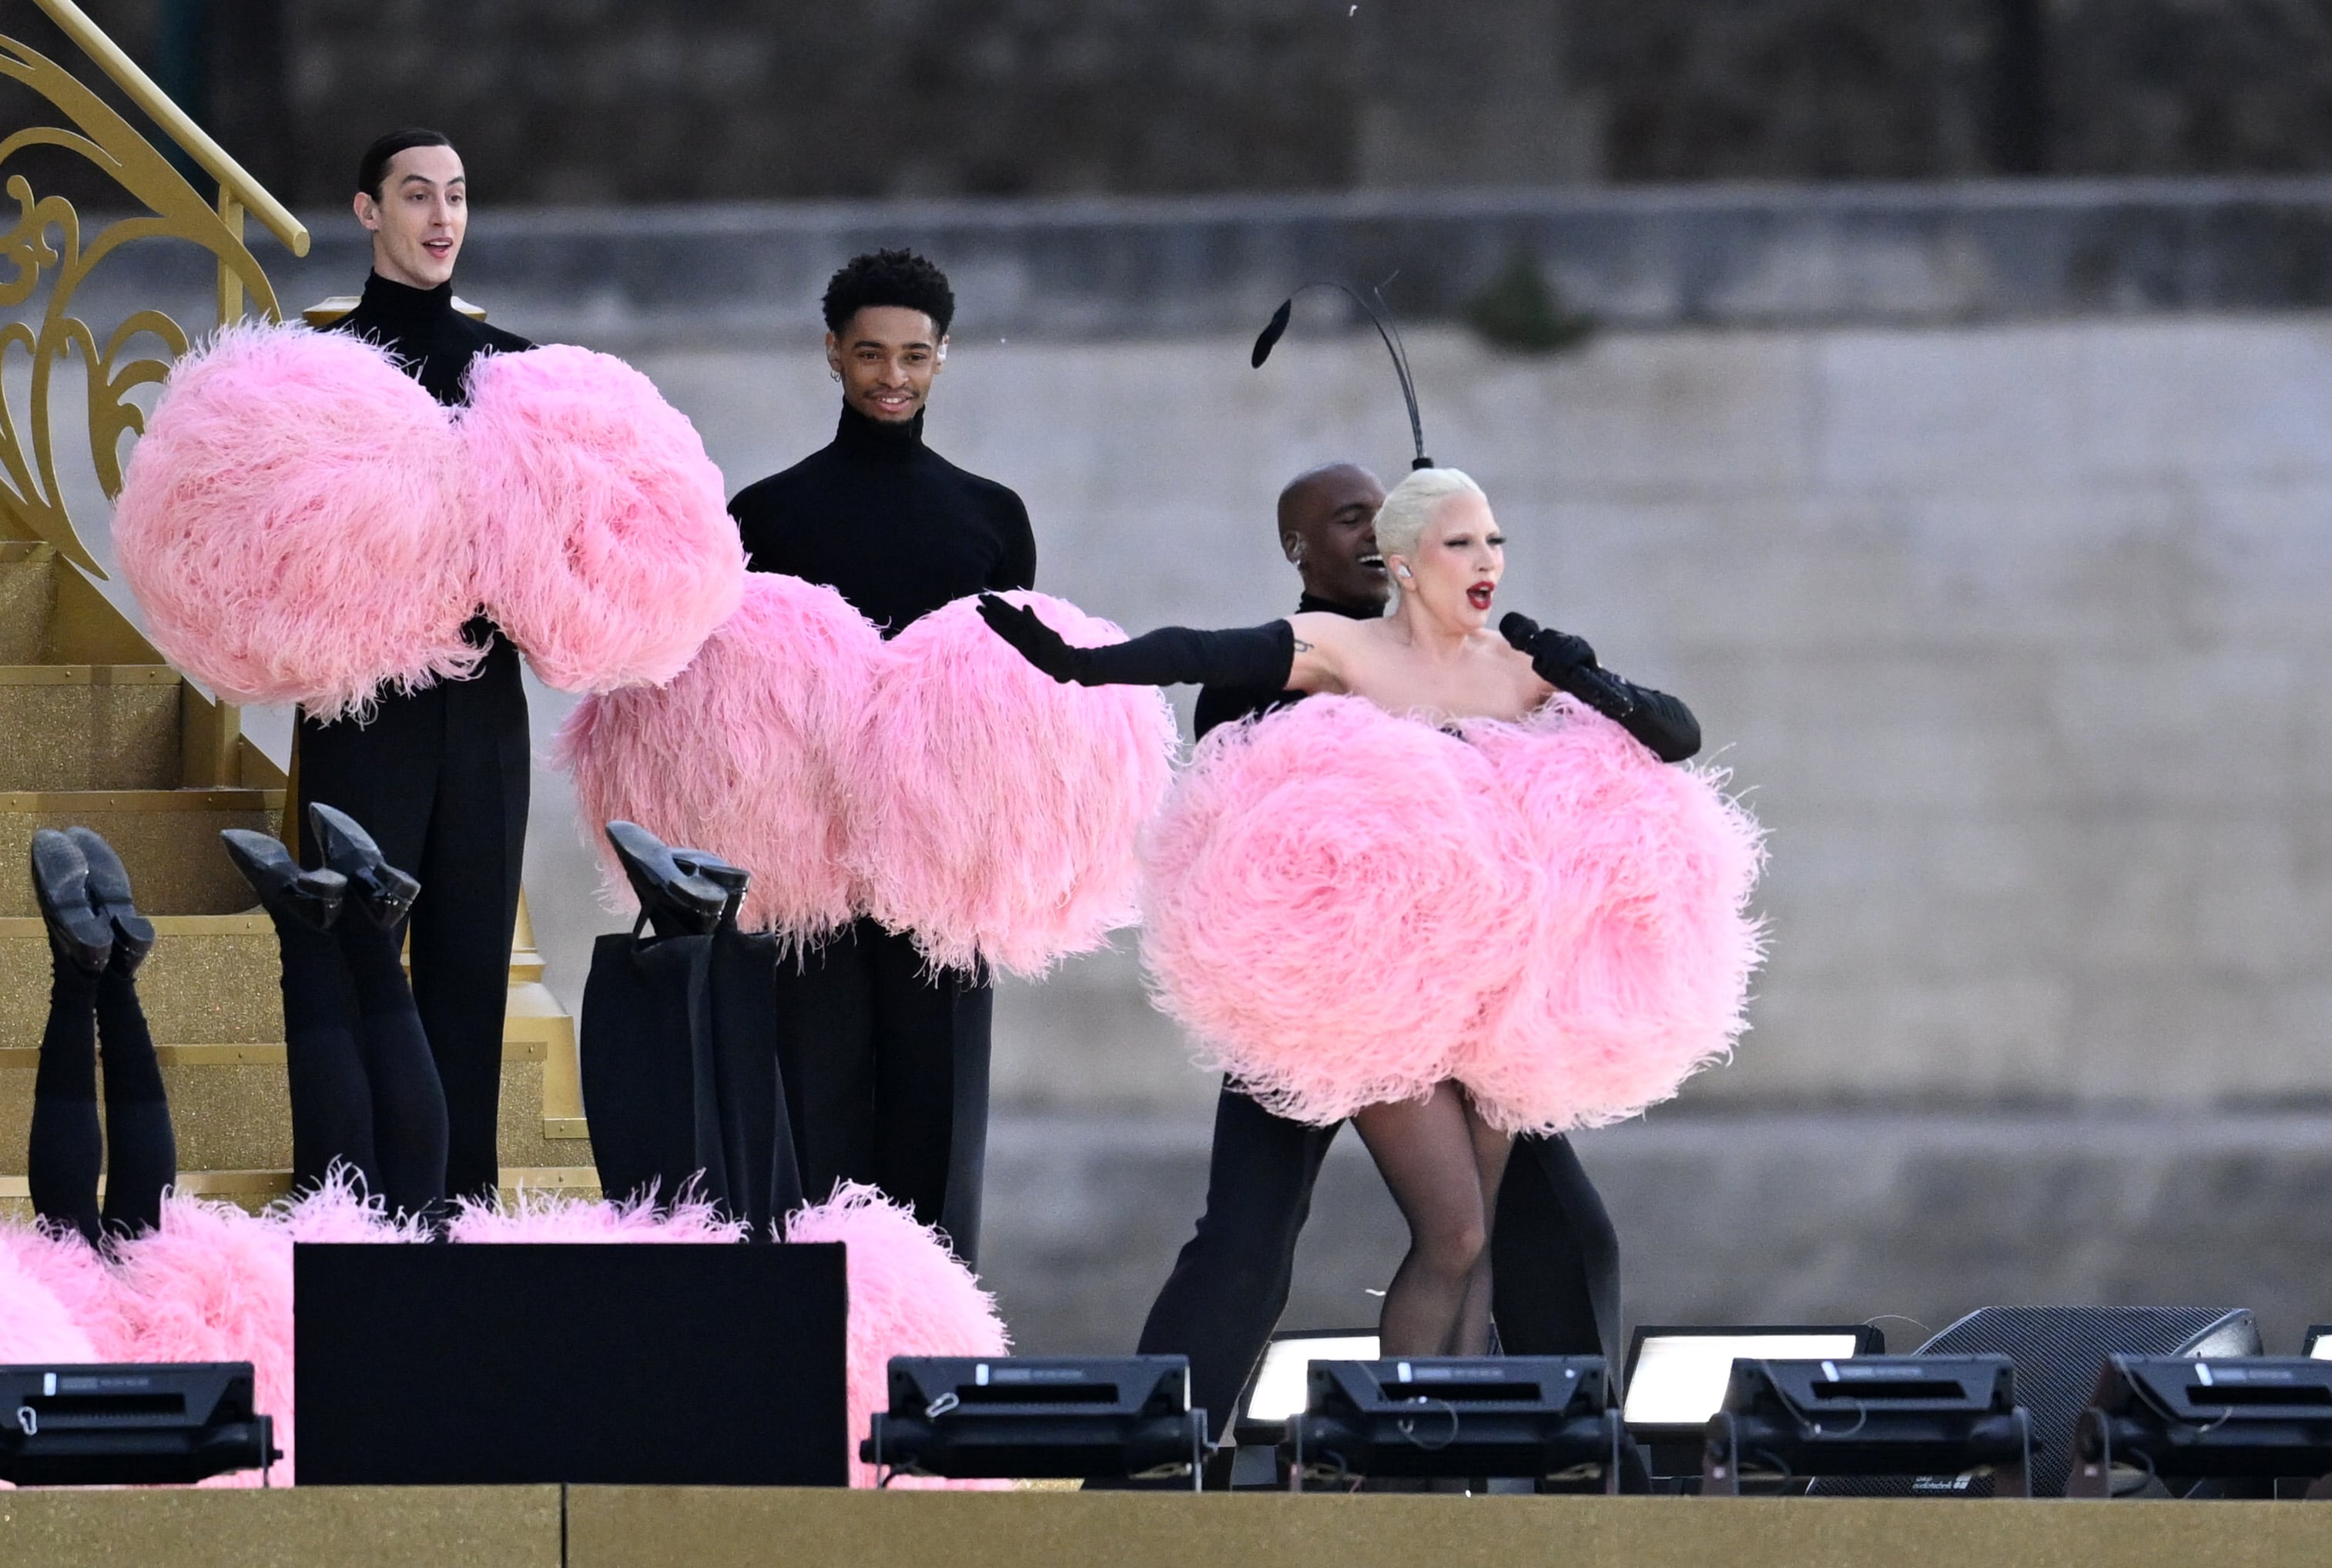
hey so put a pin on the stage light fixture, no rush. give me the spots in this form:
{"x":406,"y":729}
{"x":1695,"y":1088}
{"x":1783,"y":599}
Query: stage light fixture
{"x":2248,"y":1421}
{"x":152,"y":1424}
{"x":1015,"y":1416}
{"x":1677,"y":1376}
{"x":1870,"y":1416}
{"x":1541,"y":1418}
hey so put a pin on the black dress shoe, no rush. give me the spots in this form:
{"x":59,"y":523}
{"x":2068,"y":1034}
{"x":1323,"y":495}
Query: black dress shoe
{"x":109,"y":895}
{"x":729,"y":878}
{"x":385,"y":893}
{"x":676,"y":903}
{"x":312,"y":898}
{"x":77,"y":932}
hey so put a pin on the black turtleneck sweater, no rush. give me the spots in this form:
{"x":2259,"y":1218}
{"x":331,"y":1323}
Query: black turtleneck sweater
{"x":1228,"y":704}
{"x":890,"y":524}
{"x":434,"y":342}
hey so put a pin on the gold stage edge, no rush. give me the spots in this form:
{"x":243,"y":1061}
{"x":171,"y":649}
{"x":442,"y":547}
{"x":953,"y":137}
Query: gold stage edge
{"x":712,"y":1527}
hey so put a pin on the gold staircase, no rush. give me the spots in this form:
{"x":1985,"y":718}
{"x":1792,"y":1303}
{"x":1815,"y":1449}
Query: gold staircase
{"x":96,"y":729}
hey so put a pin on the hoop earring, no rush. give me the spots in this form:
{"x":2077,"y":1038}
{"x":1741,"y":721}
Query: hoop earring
{"x":835,"y":374}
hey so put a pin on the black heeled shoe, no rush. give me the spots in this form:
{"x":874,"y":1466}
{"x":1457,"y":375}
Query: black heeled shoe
{"x":313,"y":898}
{"x":108,"y":895}
{"x":728,"y":877}
{"x":385,"y":893}
{"x":77,"y":932}
{"x":676,"y":903}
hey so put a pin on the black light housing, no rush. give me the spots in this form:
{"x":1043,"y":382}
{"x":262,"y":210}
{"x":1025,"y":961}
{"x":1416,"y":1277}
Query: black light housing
{"x":1543,"y":1418}
{"x":1870,"y":1416}
{"x":1011,"y":1417}
{"x":148,"y":1424}
{"x":2177,"y":1418}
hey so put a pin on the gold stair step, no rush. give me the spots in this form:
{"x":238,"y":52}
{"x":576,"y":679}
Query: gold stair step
{"x":211,"y":979}
{"x":168,"y":839}
{"x":89,"y":727}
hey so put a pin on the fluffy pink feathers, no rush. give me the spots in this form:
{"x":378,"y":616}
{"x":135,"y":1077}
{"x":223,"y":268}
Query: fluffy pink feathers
{"x":741,"y":754}
{"x":995,"y":813}
{"x":1346,"y":907}
{"x":1638,"y":965}
{"x":290,"y":522}
{"x":1324,"y":902}
{"x":908,"y":1297}
{"x":605,"y":549}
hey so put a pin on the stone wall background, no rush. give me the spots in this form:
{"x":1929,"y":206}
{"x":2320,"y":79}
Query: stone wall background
{"x":594,"y":100}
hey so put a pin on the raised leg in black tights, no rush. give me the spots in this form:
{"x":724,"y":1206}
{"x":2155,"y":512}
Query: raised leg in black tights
{"x":66,"y":1148}
{"x":408,"y":1101}
{"x":331,"y":1095}
{"x":141,"y":1155}
{"x":1443,"y":1166}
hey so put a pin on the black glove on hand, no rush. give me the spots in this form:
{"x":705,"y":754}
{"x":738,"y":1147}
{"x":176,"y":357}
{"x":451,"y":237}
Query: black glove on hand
{"x":1568,"y":664}
{"x":1551,"y":652}
{"x":1037,"y":643}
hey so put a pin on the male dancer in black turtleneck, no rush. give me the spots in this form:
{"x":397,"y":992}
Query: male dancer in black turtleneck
{"x":439,"y":775}
{"x":1554,"y":1258}
{"x":885,"y":1065}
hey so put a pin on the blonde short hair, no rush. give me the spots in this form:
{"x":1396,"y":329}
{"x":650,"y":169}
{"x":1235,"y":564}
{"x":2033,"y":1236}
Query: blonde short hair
{"x":1408,"y":506}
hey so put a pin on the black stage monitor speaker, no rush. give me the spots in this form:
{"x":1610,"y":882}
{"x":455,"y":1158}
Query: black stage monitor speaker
{"x":1540,"y":1416}
{"x":1870,"y":1416}
{"x":1678,"y":1376}
{"x":1090,"y":1418}
{"x":2057,"y":1351}
{"x":2242,"y":1422}
{"x":641,"y":1364}
{"x":151,"y":1424}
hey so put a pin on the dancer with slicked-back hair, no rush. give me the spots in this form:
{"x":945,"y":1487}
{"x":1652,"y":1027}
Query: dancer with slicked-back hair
{"x":885,"y":1061}
{"x":1434,"y":658}
{"x":438,"y":775}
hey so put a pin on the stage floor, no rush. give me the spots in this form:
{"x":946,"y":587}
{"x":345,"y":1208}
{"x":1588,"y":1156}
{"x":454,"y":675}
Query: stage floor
{"x":638,"y":1527}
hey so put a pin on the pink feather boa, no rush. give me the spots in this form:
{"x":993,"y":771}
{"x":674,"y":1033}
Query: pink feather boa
{"x":215,"y":1284}
{"x":995,"y":812}
{"x":1324,"y":905}
{"x":605,"y":549}
{"x":1346,"y":908}
{"x":740,"y":755}
{"x":1638,"y":967}
{"x":289,"y":522}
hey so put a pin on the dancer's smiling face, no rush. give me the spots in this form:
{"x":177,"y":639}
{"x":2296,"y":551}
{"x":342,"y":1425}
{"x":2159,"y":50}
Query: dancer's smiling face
{"x":886,"y":356}
{"x":1328,"y":528}
{"x":1453,"y":569}
{"x":417,"y":217}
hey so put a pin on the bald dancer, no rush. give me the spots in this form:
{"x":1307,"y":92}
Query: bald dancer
{"x":1554,"y":1258}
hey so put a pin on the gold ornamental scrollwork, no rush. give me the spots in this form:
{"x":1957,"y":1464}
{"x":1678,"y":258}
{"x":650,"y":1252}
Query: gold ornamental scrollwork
{"x":47,"y":243}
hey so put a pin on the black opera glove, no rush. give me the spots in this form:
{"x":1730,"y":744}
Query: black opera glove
{"x":1568,"y":664}
{"x":1261,"y":655}
{"x":1665,"y":725}
{"x":1035,"y":641}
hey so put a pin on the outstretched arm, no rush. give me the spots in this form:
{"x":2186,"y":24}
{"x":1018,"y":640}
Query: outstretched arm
{"x":1264,"y":656}
{"x":1664,"y":724}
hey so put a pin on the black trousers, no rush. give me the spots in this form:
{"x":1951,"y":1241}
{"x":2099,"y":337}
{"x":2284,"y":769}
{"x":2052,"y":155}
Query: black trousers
{"x":439,"y":778}
{"x":885,"y":1070}
{"x":1555,"y":1256}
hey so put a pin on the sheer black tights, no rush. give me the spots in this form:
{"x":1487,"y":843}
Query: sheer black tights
{"x":1443,"y":1164}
